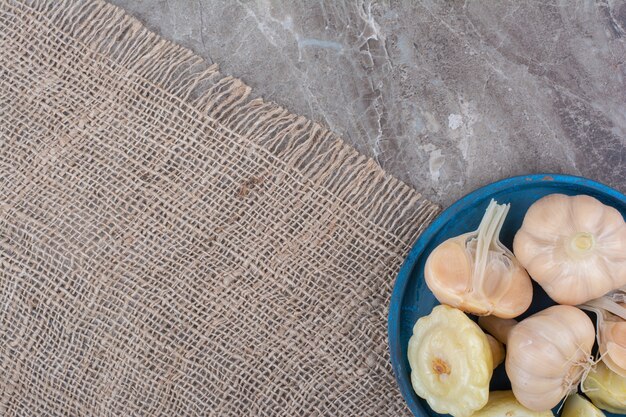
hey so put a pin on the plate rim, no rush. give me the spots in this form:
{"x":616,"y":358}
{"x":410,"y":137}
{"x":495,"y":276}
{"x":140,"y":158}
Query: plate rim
{"x":401,"y":281}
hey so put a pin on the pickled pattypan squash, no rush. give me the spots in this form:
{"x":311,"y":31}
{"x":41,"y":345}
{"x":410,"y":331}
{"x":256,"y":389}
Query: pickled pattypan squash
{"x":606,"y":389}
{"x":504,"y":404}
{"x":451,"y":362}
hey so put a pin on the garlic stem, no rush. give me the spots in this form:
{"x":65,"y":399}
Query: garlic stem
{"x":605,"y":303}
{"x":618,"y":295}
{"x":488,"y":231}
{"x":481,"y":255}
{"x":497,"y":327}
{"x":501,"y":221}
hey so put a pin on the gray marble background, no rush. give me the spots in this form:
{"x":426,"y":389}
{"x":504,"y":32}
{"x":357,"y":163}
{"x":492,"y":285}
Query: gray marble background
{"x":446,"y":95}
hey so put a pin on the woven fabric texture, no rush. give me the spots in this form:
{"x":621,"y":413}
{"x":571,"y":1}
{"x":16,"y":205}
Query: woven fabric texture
{"x":170,"y":246}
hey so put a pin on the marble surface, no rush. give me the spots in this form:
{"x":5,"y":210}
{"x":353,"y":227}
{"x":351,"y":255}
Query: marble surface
{"x":446,"y":95}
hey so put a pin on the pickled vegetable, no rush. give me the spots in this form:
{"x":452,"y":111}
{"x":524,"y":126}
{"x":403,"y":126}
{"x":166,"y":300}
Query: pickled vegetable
{"x":451,"y":362}
{"x":606,"y":389}
{"x":504,"y":404}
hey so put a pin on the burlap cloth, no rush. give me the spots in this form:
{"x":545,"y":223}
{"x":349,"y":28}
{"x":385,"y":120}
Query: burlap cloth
{"x":170,"y":247}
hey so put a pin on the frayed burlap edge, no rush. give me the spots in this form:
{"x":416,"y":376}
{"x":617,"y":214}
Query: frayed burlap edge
{"x":311,"y":152}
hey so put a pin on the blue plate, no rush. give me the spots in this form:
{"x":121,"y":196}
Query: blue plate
{"x":411,"y":298}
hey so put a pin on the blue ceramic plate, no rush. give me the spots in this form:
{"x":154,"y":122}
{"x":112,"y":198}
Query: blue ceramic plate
{"x":411,"y":298}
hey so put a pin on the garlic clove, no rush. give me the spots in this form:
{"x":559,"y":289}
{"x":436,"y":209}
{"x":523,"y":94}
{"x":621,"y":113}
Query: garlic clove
{"x":540,"y":217}
{"x":611,"y":329}
{"x":568,"y":282}
{"x":543,"y":354}
{"x":536,"y":401}
{"x":449,"y":262}
{"x":589,"y":214}
{"x":508,"y":292}
{"x":498,"y":327}
{"x":577,"y":406}
{"x":613,"y":346}
{"x":533,"y":384}
{"x":503,"y":403}
{"x":615,"y":358}
{"x":529,"y":245}
{"x":451,"y":362}
{"x":497,"y":350}
{"x":612,"y":245}
{"x":606,"y":389}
